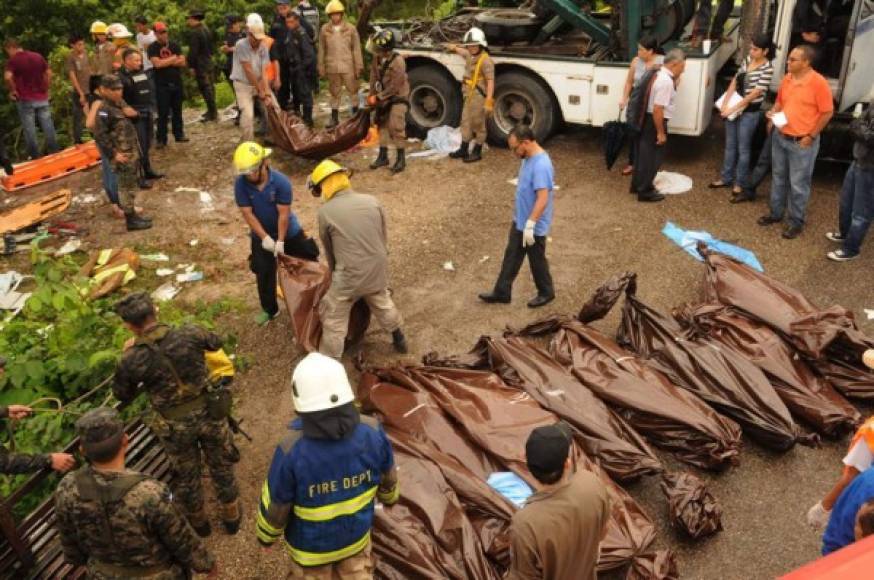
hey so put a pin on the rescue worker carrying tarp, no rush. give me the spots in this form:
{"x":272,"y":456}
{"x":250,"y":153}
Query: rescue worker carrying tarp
{"x":389,"y":93}
{"x":479,"y":90}
{"x":325,"y":475}
{"x":353,"y":232}
{"x":339,"y":59}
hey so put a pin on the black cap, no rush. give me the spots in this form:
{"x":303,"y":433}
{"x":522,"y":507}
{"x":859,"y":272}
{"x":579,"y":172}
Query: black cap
{"x":141,"y":20}
{"x":197,"y":14}
{"x":110,"y":82}
{"x":232,"y":18}
{"x":547,"y":448}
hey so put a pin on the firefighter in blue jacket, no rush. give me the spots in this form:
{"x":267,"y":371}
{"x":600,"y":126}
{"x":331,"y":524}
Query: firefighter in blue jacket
{"x":325,"y":476}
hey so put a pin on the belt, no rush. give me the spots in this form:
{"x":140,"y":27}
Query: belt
{"x":127,"y":571}
{"x":183,"y":410}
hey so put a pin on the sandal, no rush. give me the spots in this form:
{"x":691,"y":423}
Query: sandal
{"x":718,"y":184}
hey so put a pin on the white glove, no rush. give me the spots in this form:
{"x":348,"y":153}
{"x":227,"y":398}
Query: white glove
{"x":279,"y":248}
{"x":528,"y":234}
{"x":268,"y":244}
{"x":817,"y":516}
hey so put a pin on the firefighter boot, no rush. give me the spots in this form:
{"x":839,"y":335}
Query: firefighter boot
{"x":400,"y":162}
{"x":399,"y":341}
{"x":232,"y":515}
{"x":461,"y":152}
{"x":381,"y":159}
{"x":475,"y":155}
{"x":135,"y":222}
{"x":200,"y":523}
{"x":335,"y":119}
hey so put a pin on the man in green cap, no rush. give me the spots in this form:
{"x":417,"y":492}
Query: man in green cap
{"x":168,"y":364}
{"x":120,"y":523}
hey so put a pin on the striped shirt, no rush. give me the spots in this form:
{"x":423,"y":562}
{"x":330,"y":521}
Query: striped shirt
{"x":759,"y":78}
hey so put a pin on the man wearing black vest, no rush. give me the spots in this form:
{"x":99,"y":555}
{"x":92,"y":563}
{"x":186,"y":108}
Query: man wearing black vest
{"x":137,"y":91}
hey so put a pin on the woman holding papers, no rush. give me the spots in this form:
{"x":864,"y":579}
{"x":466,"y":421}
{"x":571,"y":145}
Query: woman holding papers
{"x":740,"y":106}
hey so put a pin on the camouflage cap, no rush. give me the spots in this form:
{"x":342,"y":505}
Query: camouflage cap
{"x":110,"y":82}
{"x":135,"y":308}
{"x":99,"y":430}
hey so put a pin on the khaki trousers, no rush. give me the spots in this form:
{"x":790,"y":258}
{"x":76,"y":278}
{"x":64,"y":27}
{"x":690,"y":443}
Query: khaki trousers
{"x":473,"y":119}
{"x":334,"y":311}
{"x":336,"y":82}
{"x":246,"y":102}
{"x":393,"y":127}
{"x":357,"y":567}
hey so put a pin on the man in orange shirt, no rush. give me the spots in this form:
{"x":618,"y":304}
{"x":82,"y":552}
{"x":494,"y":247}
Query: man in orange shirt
{"x":804,"y":107}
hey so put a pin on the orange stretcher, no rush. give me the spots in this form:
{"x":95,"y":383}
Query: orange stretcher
{"x":36,"y":211}
{"x":855,"y":562}
{"x":51,"y":167}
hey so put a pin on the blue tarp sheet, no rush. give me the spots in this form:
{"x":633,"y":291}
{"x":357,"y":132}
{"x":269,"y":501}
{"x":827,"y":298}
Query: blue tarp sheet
{"x":511,"y":486}
{"x":688,"y":240}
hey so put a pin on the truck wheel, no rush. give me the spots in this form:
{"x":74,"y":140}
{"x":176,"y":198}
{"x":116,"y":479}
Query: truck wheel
{"x":521,"y":99}
{"x":435,"y":100}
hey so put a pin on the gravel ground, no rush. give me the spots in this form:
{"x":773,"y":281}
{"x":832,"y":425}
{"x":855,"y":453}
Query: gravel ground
{"x":440,"y":211}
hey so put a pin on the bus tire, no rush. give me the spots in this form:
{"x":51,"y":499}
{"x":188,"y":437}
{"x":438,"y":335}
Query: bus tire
{"x":521,"y":98}
{"x":435,"y":100}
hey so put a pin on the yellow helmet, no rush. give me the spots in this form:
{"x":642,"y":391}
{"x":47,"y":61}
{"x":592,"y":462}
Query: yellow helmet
{"x":249,"y":156}
{"x":98,"y":27}
{"x":323,"y":171}
{"x":333,"y":7}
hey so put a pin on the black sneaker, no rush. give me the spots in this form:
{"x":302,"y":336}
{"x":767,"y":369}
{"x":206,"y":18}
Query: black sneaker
{"x":835,"y":236}
{"x":841,"y":256}
{"x":792,"y":232}
{"x":492,"y":298}
{"x":183,"y":139}
{"x":767,"y":220}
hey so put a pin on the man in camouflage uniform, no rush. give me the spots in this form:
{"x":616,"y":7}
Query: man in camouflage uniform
{"x":15,"y":463}
{"x":168,"y":364}
{"x":120,"y":523}
{"x":116,"y":135}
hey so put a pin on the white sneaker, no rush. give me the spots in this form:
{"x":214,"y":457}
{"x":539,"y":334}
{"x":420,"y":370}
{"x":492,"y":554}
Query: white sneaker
{"x":834,"y":236}
{"x":841,"y":256}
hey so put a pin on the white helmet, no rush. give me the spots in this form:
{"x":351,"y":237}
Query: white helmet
{"x":319,"y":383}
{"x":476,"y":36}
{"x":118,"y":30}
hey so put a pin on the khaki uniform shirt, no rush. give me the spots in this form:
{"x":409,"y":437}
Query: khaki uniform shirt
{"x":556,"y":535}
{"x":103,"y":58}
{"x":339,"y":51}
{"x":486,"y":72}
{"x":392,"y":82}
{"x":81,"y":67}
{"x":353,"y":232}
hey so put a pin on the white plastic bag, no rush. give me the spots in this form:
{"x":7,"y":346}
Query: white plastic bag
{"x":444,"y":139}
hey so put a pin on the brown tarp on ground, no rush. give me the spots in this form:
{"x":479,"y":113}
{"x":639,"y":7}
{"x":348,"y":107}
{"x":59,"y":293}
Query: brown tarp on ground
{"x":719,"y":375}
{"x":692,"y":508}
{"x":303,"y":284}
{"x":808,"y":397}
{"x":671,"y":418}
{"x":829,"y":337}
{"x":475,"y":418}
{"x":289,"y":133}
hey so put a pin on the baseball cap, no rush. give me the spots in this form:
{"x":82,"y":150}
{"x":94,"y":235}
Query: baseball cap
{"x":197,"y":14}
{"x":110,"y":82}
{"x":255,"y":25}
{"x":160,"y":27}
{"x":282,"y":2}
{"x":547,"y":448}
{"x":99,"y":430}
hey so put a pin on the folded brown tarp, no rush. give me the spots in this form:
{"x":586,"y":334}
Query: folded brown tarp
{"x":606,"y":437}
{"x":671,"y":418}
{"x":289,"y":133}
{"x":808,"y":397}
{"x":829,"y":337}
{"x":303,"y":284}
{"x":718,"y":374}
{"x":692,"y":508}
{"x":474,"y":417}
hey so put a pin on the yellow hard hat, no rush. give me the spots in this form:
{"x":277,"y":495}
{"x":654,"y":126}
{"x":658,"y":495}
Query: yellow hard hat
{"x":219,"y":365}
{"x":333,"y":7}
{"x":324,"y":170}
{"x":98,"y":27}
{"x":249,"y":156}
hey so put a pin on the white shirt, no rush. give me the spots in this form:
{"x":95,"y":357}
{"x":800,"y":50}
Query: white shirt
{"x":859,"y":456}
{"x":663,"y":92}
{"x":143,"y":42}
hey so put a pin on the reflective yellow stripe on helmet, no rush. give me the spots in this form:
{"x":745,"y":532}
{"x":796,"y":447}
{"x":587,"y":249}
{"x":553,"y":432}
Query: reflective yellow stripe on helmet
{"x":322,"y":558}
{"x":331,"y":511}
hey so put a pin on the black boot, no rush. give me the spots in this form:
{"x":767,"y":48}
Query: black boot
{"x":135,"y":222}
{"x":6,"y":164}
{"x":308,"y":116}
{"x":354,"y":111}
{"x":381,"y":159}
{"x":144,"y":183}
{"x":151,"y":174}
{"x":398,"y":340}
{"x":400,"y":162}
{"x":475,"y":155}
{"x":461,"y":152}
{"x":335,"y":119}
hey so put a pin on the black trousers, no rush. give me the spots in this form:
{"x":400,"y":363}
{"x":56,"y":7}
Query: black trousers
{"x":514,"y":255}
{"x":301,"y":92}
{"x":284,"y":94}
{"x":648,"y":158}
{"x":144,"y":125}
{"x":78,"y":117}
{"x":3,"y":157}
{"x":204,"y":78}
{"x":263,"y":264}
{"x":169,"y":105}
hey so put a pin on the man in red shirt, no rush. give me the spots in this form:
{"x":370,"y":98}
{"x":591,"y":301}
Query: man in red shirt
{"x":804,"y":107}
{"x":27,"y":77}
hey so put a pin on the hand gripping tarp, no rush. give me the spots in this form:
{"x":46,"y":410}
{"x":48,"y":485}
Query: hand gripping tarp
{"x":606,"y":437}
{"x":719,"y":375}
{"x":290,"y":133}
{"x":671,"y":418}
{"x":809,"y":398}
{"x":828,"y":337}
{"x":476,"y":419}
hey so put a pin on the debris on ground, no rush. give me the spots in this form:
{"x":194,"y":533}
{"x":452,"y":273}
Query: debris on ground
{"x":155,"y":257}
{"x":10,"y":298}
{"x":69,"y":247}
{"x":166,"y":291}
{"x":670,"y":183}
